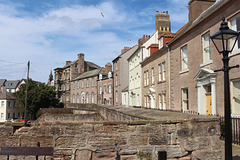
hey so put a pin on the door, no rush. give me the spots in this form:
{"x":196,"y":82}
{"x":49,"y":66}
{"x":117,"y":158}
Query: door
{"x":208,"y":104}
{"x":236,"y":97}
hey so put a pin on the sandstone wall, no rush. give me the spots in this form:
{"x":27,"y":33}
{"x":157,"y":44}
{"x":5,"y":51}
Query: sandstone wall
{"x":185,"y":139}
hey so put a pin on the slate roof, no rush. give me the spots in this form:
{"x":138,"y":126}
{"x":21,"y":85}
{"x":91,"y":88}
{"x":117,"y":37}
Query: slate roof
{"x":12,"y":84}
{"x":92,"y":65}
{"x":88,"y":74}
{"x":6,"y":95}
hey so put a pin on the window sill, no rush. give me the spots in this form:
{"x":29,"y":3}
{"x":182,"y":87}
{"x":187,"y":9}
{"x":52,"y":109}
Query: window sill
{"x":206,"y":63}
{"x":235,"y":52}
{"x":184,"y":71}
{"x":163,"y":81}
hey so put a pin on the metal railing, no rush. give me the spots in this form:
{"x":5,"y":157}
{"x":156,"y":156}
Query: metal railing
{"x":235,"y":129}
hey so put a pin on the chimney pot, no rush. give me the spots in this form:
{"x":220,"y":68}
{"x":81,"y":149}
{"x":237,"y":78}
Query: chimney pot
{"x":157,"y":12}
{"x":166,"y":12}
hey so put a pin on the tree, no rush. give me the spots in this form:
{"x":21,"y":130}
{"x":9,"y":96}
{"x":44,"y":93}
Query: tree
{"x":39,"y":96}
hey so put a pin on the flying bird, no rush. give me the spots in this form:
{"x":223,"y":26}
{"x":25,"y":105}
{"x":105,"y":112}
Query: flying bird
{"x":102,"y":14}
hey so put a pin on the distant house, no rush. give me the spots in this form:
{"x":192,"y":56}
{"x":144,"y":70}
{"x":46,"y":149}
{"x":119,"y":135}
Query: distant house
{"x":8,"y":106}
{"x":120,"y":73}
{"x":11,"y":85}
{"x":84,"y":87}
{"x":63,"y":76}
{"x":105,"y":86}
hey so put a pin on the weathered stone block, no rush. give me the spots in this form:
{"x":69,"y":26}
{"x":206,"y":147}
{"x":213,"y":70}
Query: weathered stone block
{"x":83,"y":155}
{"x":104,"y":154}
{"x":103,"y":129}
{"x":70,"y":142}
{"x":191,"y":144}
{"x":9,"y":141}
{"x":158,"y":140}
{"x":136,"y":140}
{"x":106,"y":140}
{"x":206,"y":154}
{"x":6,"y":130}
{"x":78,"y":130}
{"x":31,"y":141}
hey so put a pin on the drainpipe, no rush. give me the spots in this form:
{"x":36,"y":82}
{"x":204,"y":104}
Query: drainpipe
{"x":169,"y":77}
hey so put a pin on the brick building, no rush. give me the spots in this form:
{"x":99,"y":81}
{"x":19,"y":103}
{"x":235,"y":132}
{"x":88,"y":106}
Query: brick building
{"x":194,"y":84}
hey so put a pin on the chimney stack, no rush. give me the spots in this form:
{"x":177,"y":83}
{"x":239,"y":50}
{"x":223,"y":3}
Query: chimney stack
{"x":196,"y":7}
{"x":80,"y":63}
{"x":125,"y":49}
{"x":162,"y":22}
{"x":108,"y":67}
{"x":143,"y":40}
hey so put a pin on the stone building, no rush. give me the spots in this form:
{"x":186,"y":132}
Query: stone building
{"x":155,"y":76}
{"x":72,"y":69}
{"x":105,"y":86}
{"x":194,"y":84}
{"x":120,"y":72}
{"x":84,"y":87}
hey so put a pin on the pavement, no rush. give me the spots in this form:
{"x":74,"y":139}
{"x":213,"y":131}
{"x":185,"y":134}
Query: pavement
{"x":235,"y":150}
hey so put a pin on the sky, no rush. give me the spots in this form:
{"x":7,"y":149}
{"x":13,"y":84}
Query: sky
{"x":50,"y":32}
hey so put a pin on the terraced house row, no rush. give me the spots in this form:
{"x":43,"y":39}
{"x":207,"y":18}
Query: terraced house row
{"x":167,"y":71}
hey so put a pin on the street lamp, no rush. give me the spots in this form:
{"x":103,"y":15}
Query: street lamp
{"x":224,"y":40}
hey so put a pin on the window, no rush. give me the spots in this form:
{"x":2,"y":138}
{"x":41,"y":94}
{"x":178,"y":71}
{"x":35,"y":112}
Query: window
{"x":164,"y":100}
{"x":73,"y":85}
{"x":206,"y":47}
{"x":78,"y":85}
{"x":110,"y":101}
{"x":109,"y":88}
{"x":77,"y":98}
{"x":14,"y":103}
{"x":100,"y":89}
{"x":160,"y":101}
{"x":163,"y":71}
{"x":145,"y":99}
{"x":19,"y":115}
{"x":82,"y":97}
{"x":105,"y":89}
{"x":9,"y":104}
{"x":160,"y":72}
{"x":60,"y":87}
{"x":76,"y":65}
{"x":87,"y":97}
{"x":116,"y":96}
{"x":14,"y":115}
{"x":152,"y":75}
{"x":73,"y":98}
{"x":2,"y":116}
{"x":9,"y":115}
{"x":234,"y":24}
{"x":147,"y":78}
{"x":116,"y":66}
{"x":116,"y":80}
{"x":184,"y":58}
{"x":92,"y":97}
{"x":185,"y":106}
{"x":87,"y":83}
{"x":92,"y":82}
{"x":82,"y":83}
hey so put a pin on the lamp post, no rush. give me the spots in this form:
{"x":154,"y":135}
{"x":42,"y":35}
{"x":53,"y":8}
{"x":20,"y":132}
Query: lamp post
{"x":224,"y":40}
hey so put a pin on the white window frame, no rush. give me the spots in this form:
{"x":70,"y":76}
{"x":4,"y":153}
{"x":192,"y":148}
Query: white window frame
{"x":236,"y":27}
{"x":100,"y":89}
{"x":105,"y":89}
{"x":147,"y":78}
{"x":206,"y":47}
{"x":185,"y":99}
{"x":87,"y":97}
{"x":160,"y":72}
{"x":164,"y":101}
{"x":164,"y":71}
{"x":160,"y":101}
{"x":116,"y":96}
{"x":92,"y":97}
{"x":184,"y":58}
{"x":73,"y":98}
{"x":109,"y":88}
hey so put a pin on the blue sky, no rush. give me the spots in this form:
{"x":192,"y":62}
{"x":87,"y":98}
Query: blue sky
{"x":50,"y":32}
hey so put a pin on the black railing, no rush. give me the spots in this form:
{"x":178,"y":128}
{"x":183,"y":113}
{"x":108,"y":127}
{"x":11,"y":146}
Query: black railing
{"x":235,"y":129}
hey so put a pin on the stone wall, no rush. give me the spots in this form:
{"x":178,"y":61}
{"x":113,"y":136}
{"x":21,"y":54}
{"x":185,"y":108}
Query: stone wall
{"x":192,"y":137}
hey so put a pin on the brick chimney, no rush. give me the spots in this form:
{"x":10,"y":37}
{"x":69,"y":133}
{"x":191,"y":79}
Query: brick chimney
{"x":196,"y":7}
{"x":108,"y":67}
{"x":125,"y":49}
{"x":162,"y":22}
{"x":143,"y":40}
{"x":68,"y":62}
{"x":80,"y":63}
